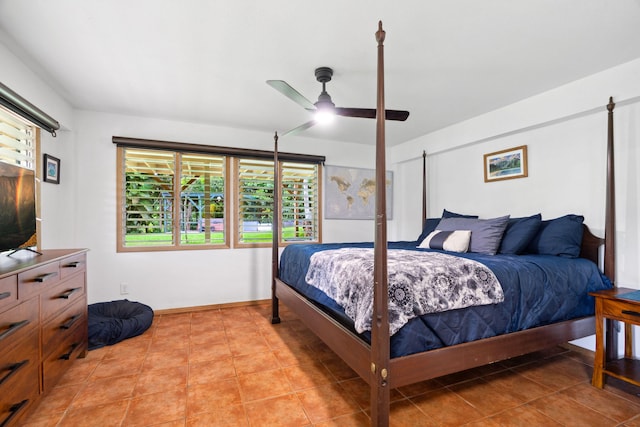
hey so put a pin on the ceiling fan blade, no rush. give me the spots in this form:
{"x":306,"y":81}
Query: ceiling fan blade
{"x":370,"y":113}
{"x":300,"y":128}
{"x":285,"y":89}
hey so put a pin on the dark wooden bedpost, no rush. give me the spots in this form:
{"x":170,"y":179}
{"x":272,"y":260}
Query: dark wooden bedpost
{"x":610,"y":232}
{"x":275,"y":309}
{"x":380,"y":321}
{"x":424,"y":188}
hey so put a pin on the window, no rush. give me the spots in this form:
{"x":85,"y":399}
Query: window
{"x":17,"y":141}
{"x":299,"y":202}
{"x":161,"y":209}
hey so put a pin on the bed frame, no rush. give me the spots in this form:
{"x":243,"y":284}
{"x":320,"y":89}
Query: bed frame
{"x":372,"y":362}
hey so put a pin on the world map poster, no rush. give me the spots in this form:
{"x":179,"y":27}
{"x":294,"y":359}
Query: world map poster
{"x":350,"y":193}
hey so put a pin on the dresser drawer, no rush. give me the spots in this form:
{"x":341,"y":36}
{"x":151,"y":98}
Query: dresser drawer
{"x":74,"y":264}
{"x":20,"y":395}
{"x":17,"y":322}
{"x":58,"y":361}
{"x":16,"y":365}
{"x":33,"y":281}
{"x":62,"y":295}
{"x":63,"y":324}
{"x":8,"y":292}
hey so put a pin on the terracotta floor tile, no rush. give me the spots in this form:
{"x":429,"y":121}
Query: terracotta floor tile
{"x":360,"y":391}
{"x":308,"y":375}
{"x":487,"y":398}
{"x":517,"y":386}
{"x":257,"y":362}
{"x":166,"y":359}
{"x":106,"y":415}
{"x":232,"y":367}
{"x":283,"y":411}
{"x":211,"y":371}
{"x":157,"y":408}
{"x":405,"y":414}
{"x":59,"y":399}
{"x":208,"y":351}
{"x":457,"y":410}
{"x":522,"y":416}
{"x":116,"y":367}
{"x":359,"y":419}
{"x":263,"y":385}
{"x":157,"y":380}
{"x":326,"y":402}
{"x":105,"y":390}
{"x":207,"y":397}
{"x":567,"y":411}
{"x":606,"y":403}
{"x":228,"y":416}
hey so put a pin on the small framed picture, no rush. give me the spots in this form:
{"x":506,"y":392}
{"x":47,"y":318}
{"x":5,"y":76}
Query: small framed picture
{"x":506,"y":164}
{"x":51,"y":169}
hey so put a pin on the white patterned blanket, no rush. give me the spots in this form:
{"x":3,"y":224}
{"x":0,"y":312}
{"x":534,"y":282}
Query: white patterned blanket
{"x":419,"y":283}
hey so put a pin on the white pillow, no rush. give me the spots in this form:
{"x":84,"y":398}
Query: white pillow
{"x":452,"y":241}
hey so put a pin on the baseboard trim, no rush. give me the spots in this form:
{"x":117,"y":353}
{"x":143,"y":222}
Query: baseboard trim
{"x":194,"y":309}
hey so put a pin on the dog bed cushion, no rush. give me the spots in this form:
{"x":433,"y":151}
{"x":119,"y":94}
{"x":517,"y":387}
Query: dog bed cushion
{"x":112,"y":322}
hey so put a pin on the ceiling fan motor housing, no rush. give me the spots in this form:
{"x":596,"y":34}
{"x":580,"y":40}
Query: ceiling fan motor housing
{"x":323,"y":75}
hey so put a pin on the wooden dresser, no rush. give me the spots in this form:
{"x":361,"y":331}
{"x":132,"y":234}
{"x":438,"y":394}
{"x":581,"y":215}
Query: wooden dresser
{"x":43,"y":325}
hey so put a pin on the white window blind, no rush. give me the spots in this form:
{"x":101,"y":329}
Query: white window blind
{"x":255,"y":201}
{"x":202,"y":201}
{"x":300,"y":199}
{"x":299,"y":196}
{"x":147,"y":214}
{"x":17,"y":141}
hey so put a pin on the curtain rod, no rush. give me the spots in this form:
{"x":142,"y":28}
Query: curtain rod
{"x":23,"y":108}
{"x":123,"y":141}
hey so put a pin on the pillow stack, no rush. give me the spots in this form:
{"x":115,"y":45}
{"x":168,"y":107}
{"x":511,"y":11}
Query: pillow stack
{"x":504,"y":235}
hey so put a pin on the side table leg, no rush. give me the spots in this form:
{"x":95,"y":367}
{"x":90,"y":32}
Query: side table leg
{"x":598,"y":363}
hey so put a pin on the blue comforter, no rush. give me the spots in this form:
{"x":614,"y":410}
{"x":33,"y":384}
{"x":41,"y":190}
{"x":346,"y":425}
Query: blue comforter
{"x":538,"y":290}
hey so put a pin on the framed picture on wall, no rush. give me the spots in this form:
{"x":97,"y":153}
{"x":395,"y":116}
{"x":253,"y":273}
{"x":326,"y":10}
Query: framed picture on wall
{"x":506,"y":164}
{"x":51,"y":170}
{"x":350,"y":193}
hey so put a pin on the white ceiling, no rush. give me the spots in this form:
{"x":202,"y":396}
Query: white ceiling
{"x":207,"y":60}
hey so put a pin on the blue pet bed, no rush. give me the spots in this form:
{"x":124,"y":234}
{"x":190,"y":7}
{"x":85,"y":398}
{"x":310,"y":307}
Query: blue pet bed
{"x":112,"y":322}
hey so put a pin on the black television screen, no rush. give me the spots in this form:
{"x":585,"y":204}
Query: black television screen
{"x":17,"y":207}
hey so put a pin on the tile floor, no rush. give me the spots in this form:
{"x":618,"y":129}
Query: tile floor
{"x":231,"y":367}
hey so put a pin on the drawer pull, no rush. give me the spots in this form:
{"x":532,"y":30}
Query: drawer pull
{"x":13,"y":411}
{"x":13,"y":328}
{"x":44,"y":277}
{"x":631,"y":313}
{"x":73,"y":264}
{"x":67,"y":356}
{"x":13,"y":369}
{"x":69,"y":323}
{"x":4,"y":295}
{"x":68,"y":293}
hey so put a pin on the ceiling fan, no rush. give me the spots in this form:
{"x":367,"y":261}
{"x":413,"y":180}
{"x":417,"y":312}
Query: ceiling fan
{"x":325,"y":108}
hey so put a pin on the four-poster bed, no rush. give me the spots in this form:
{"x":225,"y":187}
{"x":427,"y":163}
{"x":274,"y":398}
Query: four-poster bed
{"x":370,"y":355}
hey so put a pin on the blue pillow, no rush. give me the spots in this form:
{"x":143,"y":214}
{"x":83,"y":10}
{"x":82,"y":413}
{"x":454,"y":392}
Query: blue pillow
{"x":560,"y":236}
{"x":430,"y":223}
{"x":519,"y":233}
{"x":429,"y":226}
{"x":449,"y":214}
{"x":486,"y":234}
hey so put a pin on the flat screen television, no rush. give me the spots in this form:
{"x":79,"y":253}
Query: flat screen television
{"x":17,"y":207}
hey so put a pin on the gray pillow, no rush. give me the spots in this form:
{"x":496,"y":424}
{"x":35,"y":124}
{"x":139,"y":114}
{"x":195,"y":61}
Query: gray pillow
{"x":486,"y":234}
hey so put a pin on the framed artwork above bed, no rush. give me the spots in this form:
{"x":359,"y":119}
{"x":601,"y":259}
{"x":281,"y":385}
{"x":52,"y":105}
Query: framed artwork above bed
{"x":350,"y":193}
{"x":506,"y":164}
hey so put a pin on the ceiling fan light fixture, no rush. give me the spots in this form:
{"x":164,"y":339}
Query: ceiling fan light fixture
{"x":324,"y":115}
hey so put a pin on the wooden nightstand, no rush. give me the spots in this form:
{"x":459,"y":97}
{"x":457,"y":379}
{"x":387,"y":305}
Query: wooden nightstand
{"x":612,"y":304}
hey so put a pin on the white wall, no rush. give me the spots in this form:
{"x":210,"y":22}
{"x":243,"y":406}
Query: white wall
{"x":179,"y":278}
{"x":565,"y":131}
{"x":57,"y":218}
